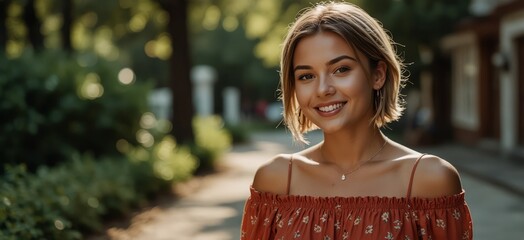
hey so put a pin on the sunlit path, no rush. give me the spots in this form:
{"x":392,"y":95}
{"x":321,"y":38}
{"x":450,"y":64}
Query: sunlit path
{"x":215,"y":210}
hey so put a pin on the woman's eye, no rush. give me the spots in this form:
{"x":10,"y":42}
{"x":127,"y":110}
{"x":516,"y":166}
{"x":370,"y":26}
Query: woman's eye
{"x":305,"y":77}
{"x":342,"y":70}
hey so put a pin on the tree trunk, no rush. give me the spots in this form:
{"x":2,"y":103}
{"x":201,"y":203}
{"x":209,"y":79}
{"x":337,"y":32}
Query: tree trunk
{"x":67,"y":13}
{"x":180,"y":71}
{"x":3,"y":29}
{"x":33,"y":25}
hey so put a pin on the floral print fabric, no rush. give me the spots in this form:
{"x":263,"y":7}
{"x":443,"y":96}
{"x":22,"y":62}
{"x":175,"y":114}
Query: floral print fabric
{"x":270,"y":216}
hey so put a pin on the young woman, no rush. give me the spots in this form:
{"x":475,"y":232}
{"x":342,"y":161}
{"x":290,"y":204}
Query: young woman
{"x":340,"y":73}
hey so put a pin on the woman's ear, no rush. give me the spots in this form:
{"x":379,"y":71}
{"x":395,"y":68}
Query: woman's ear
{"x":379,"y":75}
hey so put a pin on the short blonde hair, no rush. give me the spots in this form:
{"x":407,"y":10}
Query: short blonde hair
{"x":364,"y":34}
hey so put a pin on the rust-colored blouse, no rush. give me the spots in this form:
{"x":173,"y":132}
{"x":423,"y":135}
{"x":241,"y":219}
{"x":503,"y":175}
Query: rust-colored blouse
{"x":271,"y":216}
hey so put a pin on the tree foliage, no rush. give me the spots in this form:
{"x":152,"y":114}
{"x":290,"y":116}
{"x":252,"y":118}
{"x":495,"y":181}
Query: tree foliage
{"x":417,"y":23}
{"x":240,"y":38}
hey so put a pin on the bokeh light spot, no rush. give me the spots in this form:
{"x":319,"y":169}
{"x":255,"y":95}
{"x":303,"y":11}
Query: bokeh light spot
{"x":137,"y":23}
{"x":211,"y":18}
{"x":59,"y":225}
{"x":91,"y":87}
{"x":148,"y":120}
{"x":6,"y":201}
{"x":126,"y":76}
{"x":230,"y":23}
{"x":93,"y":202}
{"x":123,"y":146}
{"x":163,"y":47}
{"x":145,"y":138}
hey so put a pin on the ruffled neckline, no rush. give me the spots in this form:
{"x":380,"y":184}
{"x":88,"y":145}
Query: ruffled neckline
{"x":304,"y":201}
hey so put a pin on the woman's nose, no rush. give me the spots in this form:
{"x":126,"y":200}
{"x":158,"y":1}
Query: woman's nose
{"x":325,"y":87}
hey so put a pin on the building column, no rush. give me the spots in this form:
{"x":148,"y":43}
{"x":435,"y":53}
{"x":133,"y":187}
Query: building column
{"x":512,"y":26}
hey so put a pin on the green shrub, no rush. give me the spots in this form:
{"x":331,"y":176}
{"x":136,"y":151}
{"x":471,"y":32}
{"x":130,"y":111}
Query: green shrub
{"x":25,"y":214}
{"x":212,"y":140}
{"x":169,"y":161}
{"x":56,"y":104}
{"x":64,"y":201}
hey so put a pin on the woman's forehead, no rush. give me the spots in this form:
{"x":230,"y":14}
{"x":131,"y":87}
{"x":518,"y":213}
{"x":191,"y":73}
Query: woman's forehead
{"x":323,"y":46}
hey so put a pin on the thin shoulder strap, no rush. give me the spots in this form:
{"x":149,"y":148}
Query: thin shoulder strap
{"x":412,"y":175}
{"x":289,"y":171}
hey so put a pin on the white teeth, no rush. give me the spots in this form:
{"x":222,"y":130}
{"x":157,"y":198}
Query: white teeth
{"x":330,"y":107}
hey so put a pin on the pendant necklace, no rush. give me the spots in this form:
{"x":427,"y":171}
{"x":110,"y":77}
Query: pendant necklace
{"x":343,"y":177}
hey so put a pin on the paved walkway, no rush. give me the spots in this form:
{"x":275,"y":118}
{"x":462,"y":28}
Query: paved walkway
{"x":494,"y":192}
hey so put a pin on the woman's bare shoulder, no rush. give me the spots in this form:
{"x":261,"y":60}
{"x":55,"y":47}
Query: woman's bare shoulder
{"x":435,"y":177}
{"x":272,"y":176}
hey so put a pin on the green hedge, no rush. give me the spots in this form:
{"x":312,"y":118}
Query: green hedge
{"x":212,"y":140}
{"x":65,"y":201}
{"x":55,"y":103}
{"x":71,"y":159}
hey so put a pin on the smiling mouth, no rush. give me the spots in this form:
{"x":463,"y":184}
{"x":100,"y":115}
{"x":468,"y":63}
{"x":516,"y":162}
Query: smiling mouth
{"x":331,"y":107}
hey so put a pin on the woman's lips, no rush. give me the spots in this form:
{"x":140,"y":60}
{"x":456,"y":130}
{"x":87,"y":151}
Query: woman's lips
{"x":330,"y":109}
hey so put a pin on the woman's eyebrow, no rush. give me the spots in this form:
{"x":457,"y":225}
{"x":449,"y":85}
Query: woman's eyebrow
{"x":330,"y":62}
{"x":340,"y":58}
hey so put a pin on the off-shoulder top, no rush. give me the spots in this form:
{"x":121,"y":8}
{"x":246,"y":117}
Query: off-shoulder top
{"x":272,"y":216}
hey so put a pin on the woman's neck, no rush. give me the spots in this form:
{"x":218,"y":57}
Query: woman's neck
{"x":350,"y":148}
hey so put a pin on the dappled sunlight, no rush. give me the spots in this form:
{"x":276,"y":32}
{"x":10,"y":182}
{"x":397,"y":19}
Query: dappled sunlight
{"x":148,"y":120}
{"x":81,"y":37}
{"x":90,"y":88}
{"x":269,"y":48}
{"x":51,"y":24}
{"x":50,"y":28}
{"x":93,"y":202}
{"x":165,"y":149}
{"x":145,"y":138}
{"x":159,"y":48}
{"x":14,"y":49}
{"x":139,"y":154}
{"x":123,"y":146}
{"x":16,"y":27}
{"x":210,"y":134}
{"x":89,"y":20}
{"x":14,"y":10}
{"x":211,"y":18}
{"x":126,"y":76}
{"x":59,"y":225}
{"x":172,"y":160}
{"x":257,"y":24}
{"x":104,"y":44}
{"x":137,"y":22}
{"x":230,"y":23}
{"x":260,"y":21}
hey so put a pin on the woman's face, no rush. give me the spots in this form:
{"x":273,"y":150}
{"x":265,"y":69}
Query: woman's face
{"x":333,"y":84}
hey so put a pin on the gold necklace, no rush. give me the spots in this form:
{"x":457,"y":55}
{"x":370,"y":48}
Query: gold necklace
{"x":343,"y":177}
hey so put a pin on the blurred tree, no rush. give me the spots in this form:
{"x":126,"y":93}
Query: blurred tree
{"x":67,"y":20}
{"x":240,"y":38}
{"x":180,"y":70}
{"x":417,"y":23}
{"x":33,"y":25}
{"x":3,"y":28}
